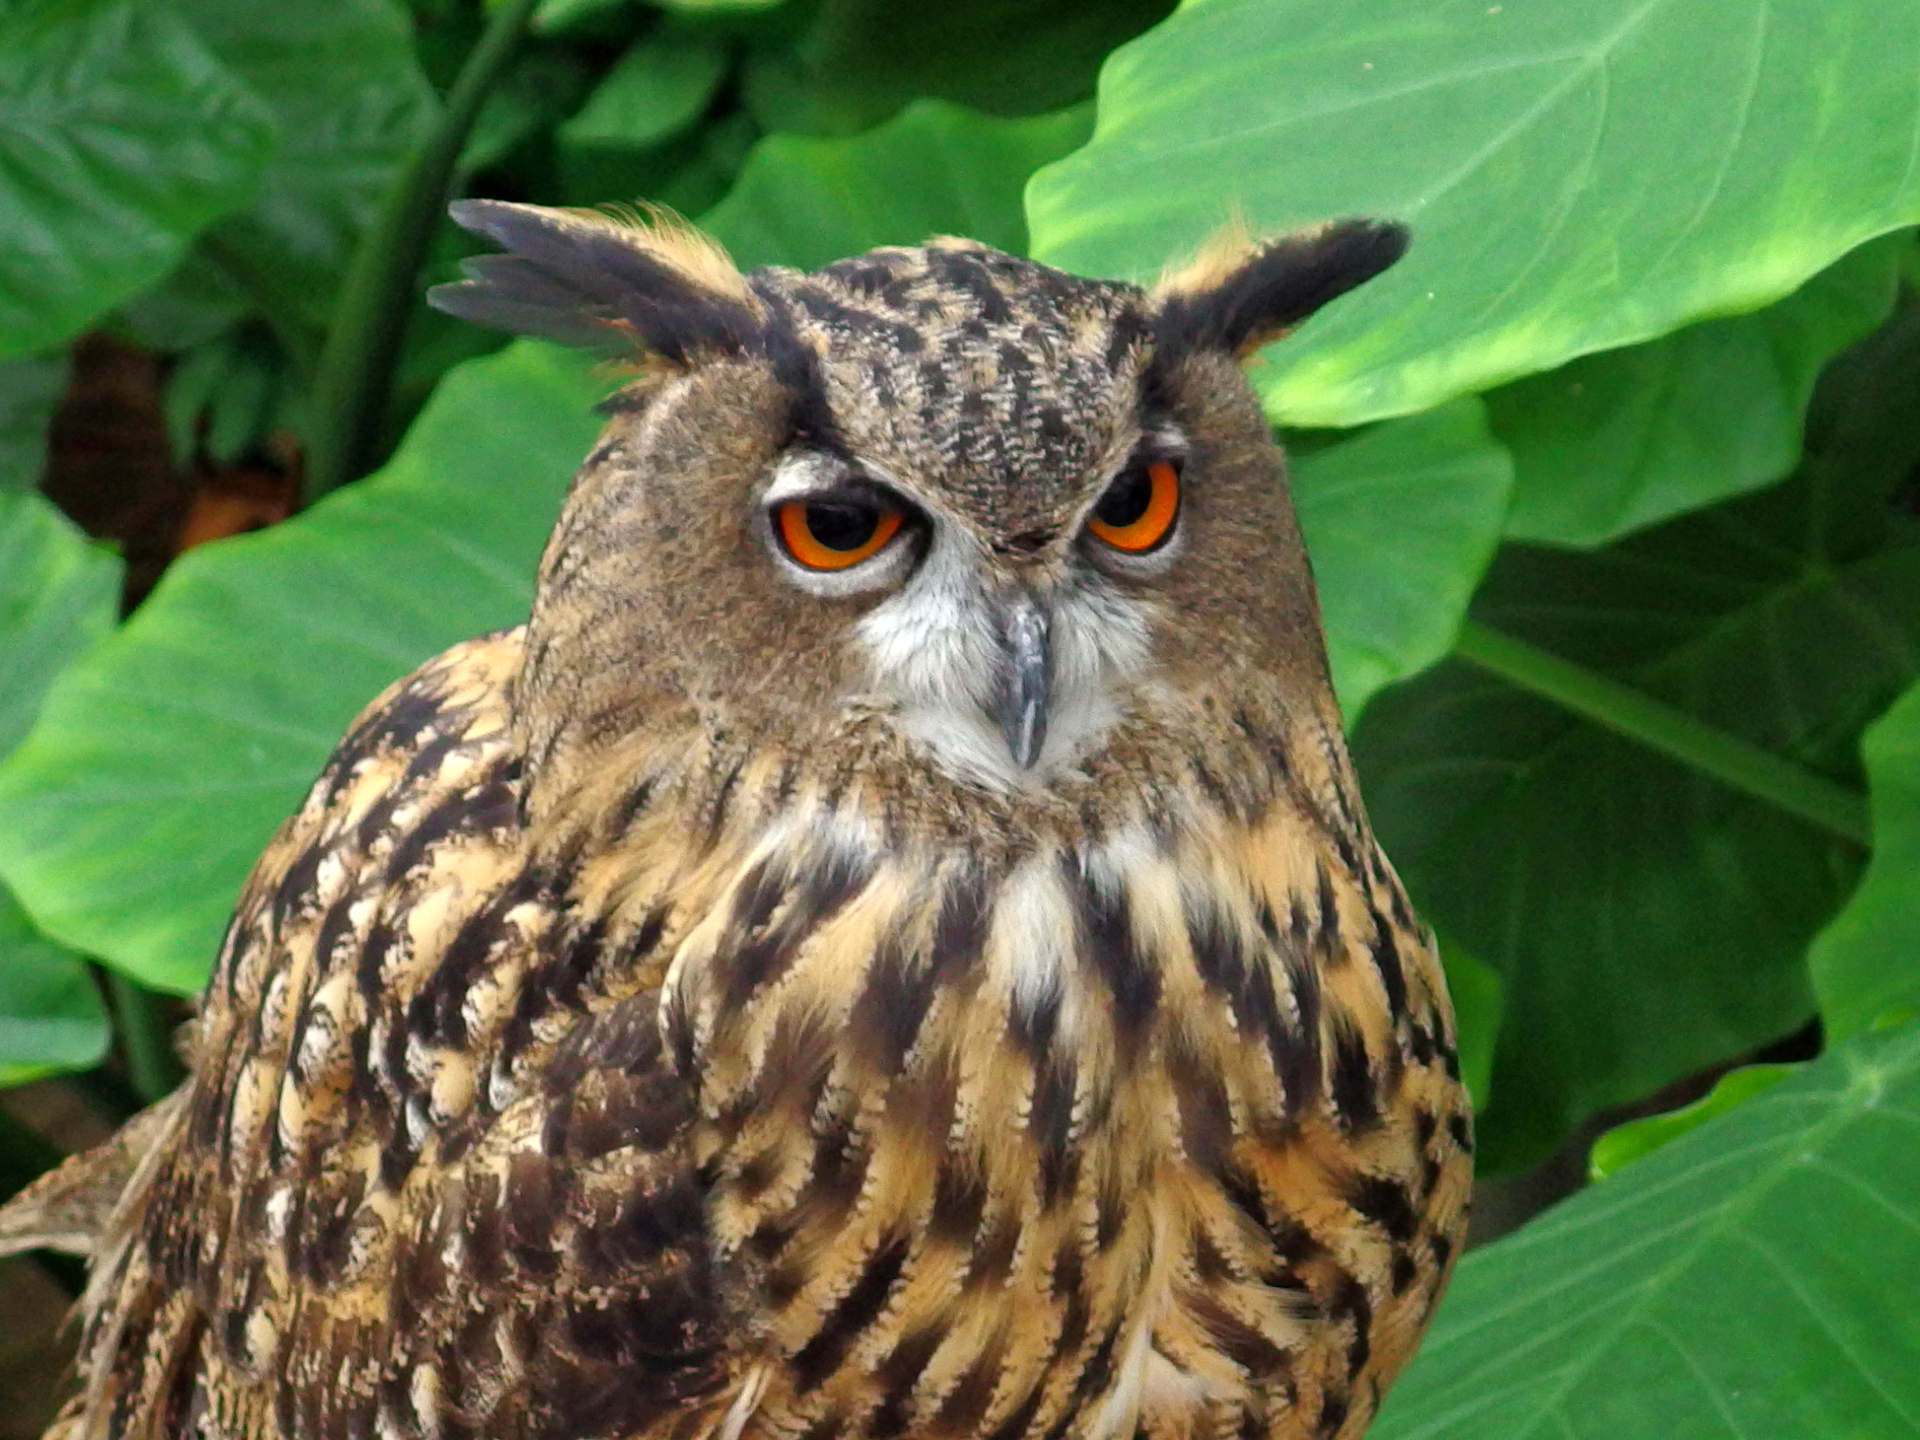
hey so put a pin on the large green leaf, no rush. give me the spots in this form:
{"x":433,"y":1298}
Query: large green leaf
{"x":1754,"y":1279}
{"x":659,"y":89}
{"x":1647,"y":921}
{"x":50,"y":1013}
{"x":1578,"y":176}
{"x":1866,"y":964}
{"x":1401,"y":519}
{"x":165,"y":758}
{"x":933,"y":169}
{"x":858,"y":61}
{"x":29,"y":389}
{"x":341,"y":79}
{"x":121,"y":138}
{"x":58,"y":594}
{"x":640,"y":136}
{"x":1621,"y":440}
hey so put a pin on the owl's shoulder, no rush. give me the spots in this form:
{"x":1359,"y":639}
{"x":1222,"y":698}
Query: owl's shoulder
{"x":432,"y":1146}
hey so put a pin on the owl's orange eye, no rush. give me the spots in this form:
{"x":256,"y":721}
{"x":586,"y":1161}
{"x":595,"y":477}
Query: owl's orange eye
{"x":834,"y":534}
{"x":1137,"y":512}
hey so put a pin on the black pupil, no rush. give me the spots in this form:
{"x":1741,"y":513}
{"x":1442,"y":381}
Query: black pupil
{"x":1126,"y":500}
{"x":842,"y":524}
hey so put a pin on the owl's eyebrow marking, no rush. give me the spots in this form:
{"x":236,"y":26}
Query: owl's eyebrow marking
{"x":797,"y":368}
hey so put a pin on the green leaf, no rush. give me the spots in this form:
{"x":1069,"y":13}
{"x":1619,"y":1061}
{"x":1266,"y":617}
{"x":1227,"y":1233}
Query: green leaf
{"x":1866,"y":964}
{"x":50,"y":1014}
{"x":187,"y":308}
{"x":30,"y":387}
{"x":659,"y":89}
{"x":1478,"y":996}
{"x":933,"y":169}
{"x":1578,"y":177}
{"x":557,"y":17}
{"x":121,"y":138}
{"x":1617,"y":441}
{"x":1648,"y":922}
{"x":1637,"y":1139}
{"x":226,"y":397}
{"x":861,"y":60}
{"x":540,"y":89}
{"x":1753,"y":1279}
{"x":719,"y":7}
{"x":166,"y":757}
{"x":341,"y":80}
{"x":58,"y":594}
{"x":1401,"y":520}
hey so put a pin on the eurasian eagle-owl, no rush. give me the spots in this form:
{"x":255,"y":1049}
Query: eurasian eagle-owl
{"x":892,"y":947}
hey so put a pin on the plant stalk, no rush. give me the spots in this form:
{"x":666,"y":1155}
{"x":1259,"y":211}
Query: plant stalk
{"x":152,"y":1064}
{"x":376,"y":298}
{"x":1732,"y":761}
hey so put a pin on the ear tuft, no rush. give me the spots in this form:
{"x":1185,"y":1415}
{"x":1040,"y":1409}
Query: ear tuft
{"x":1239,"y":294}
{"x":628,"y":285}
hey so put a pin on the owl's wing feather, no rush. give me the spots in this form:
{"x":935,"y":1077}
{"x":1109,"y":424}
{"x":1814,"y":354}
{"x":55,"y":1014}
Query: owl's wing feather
{"x":70,"y":1207}
{"x":432,"y":1147}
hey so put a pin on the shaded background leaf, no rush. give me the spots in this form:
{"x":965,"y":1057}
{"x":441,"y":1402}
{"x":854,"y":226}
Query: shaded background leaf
{"x":1617,"y":441}
{"x":657,"y":91}
{"x":1565,"y":193}
{"x":121,"y":138}
{"x":859,"y":61}
{"x":29,"y":388}
{"x":933,"y":169}
{"x":350,"y":102}
{"x":1479,"y":998}
{"x":1648,"y":922}
{"x":1392,"y":596}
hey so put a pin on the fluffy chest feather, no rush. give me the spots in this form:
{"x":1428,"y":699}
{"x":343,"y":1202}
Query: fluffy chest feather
{"x":1156,"y":1132}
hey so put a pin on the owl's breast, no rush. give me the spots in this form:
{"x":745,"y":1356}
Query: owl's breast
{"x":1160,"y":1132}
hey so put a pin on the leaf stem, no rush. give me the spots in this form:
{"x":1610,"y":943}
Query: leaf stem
{"x":1732,"y":761}
{"x":144,"y":1040}
{"x":376,"y":300}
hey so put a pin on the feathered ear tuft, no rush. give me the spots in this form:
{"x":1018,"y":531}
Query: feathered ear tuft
{"x":625,"y":286}
{"x":1239,"y":294}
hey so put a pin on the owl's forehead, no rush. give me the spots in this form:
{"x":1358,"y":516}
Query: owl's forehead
{"x":1003,"y":385}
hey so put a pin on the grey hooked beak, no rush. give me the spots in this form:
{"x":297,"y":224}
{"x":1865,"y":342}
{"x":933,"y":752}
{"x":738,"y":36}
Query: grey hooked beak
{"x":1021,"y":702}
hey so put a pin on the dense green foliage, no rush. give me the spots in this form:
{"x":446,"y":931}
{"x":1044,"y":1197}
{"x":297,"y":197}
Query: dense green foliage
{"x":1612,"y":490}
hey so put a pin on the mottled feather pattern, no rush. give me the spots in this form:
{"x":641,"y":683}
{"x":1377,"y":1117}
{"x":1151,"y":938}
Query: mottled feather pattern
{"x":640,"y":1033}
{"x":373,"y":1204}
{"x":916,"y":1134}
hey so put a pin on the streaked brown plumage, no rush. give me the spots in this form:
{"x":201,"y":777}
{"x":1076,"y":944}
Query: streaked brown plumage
{"x":706,"y":1011}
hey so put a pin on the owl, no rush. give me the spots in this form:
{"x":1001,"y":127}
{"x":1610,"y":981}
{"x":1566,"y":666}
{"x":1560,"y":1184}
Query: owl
{"x":891,"y":948}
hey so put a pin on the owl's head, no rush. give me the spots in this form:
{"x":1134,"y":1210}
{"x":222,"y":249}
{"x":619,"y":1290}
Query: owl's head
{"x":998,"y":510}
